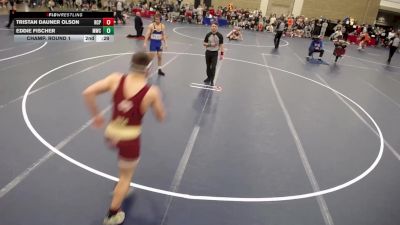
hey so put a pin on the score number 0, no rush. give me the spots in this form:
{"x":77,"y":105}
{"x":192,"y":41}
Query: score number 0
{"x":108,"y":21}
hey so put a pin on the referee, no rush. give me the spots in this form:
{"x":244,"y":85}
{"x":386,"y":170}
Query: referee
{"x":280,"y":27}
{"x":213,"y":42}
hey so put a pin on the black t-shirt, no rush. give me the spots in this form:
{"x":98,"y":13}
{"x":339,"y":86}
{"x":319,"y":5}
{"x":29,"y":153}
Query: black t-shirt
{"x":138,"y":22}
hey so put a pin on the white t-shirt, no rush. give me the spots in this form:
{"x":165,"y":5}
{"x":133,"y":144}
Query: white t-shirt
{"x":396,"y":42}
{"x":272,"y":20}
{"x":200,"y":10}
{"x":119,"y":6}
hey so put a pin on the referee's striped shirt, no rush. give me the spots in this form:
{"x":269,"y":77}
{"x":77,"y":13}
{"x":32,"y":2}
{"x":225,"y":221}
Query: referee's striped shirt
{"x":214,"y":40}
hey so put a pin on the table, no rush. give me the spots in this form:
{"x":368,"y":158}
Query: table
{"x":221,"y":22}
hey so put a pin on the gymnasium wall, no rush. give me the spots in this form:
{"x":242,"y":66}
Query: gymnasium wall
{"x":280,"y":7}
{"x":364,"y":11}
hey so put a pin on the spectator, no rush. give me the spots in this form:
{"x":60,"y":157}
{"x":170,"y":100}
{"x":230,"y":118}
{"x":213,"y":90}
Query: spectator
{"x":316,"y":45}
{"x":317,"y":27}
{"x":235,"y":34}
{"x":323,"y":28}
{"x":119,"y":6}
{"x":138,"y":27}
{"x":12,"y":5}
{"x":363,"y":40}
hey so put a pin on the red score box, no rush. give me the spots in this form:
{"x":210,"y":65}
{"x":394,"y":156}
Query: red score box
{"x":108,"y":21}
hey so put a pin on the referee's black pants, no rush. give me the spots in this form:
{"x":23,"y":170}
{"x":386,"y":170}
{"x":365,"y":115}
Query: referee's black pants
{"x":211,"y":61}
{"x":392,"y":50}
{"x":10,"y":18}
{"x":139,"y":31}
{"x":118,"y":15}
{"x":277,"y":38}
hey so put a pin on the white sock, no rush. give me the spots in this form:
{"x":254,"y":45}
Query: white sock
{"x":159,"y":67}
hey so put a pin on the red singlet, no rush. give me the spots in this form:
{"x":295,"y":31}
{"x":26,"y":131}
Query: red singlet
{"x":125,"y":125}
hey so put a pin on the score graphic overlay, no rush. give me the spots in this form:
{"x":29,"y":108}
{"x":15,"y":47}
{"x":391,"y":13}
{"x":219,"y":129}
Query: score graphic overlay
{"x":64,"y":26}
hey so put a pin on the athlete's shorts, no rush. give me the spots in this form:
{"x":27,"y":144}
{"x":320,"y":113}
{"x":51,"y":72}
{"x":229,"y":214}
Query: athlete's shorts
{"x":127,"y":150}
{"x":155,"y":47}
{"x":339,"y":51}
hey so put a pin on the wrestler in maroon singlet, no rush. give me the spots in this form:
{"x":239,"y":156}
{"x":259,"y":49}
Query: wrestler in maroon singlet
{"x":132,"y":97}
{"x":128,"y":109}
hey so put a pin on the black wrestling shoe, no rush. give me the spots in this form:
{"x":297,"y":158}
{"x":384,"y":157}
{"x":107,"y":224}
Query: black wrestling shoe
{"x":160,"y":72}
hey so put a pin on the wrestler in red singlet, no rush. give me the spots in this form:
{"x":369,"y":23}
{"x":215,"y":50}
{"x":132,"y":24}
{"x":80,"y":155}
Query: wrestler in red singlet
{"x":132,"y":97}
{"x":125,"y":126}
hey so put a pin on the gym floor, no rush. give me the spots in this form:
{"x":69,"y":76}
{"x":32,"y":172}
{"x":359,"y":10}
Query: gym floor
{"x":284,"y":141}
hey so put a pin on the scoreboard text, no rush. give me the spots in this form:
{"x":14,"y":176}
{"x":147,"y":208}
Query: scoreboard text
{"x":64,"y":26}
